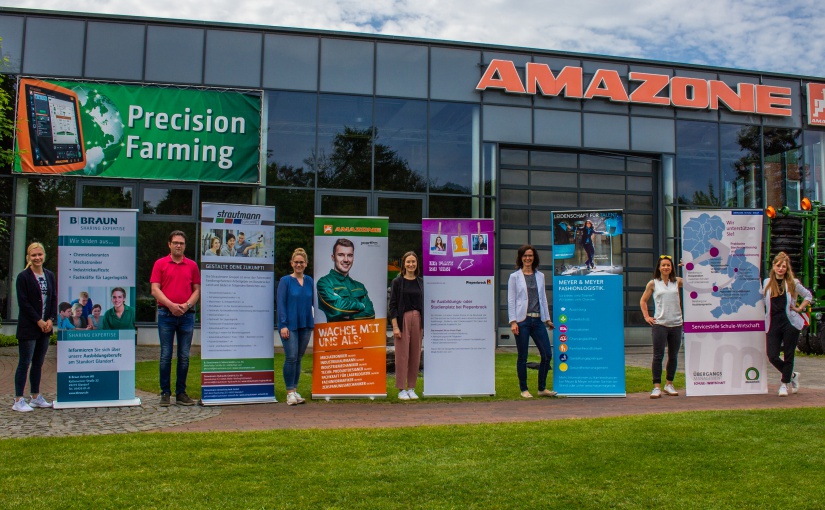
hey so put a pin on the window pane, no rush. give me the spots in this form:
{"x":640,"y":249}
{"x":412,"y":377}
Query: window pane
{"x":453,"y":127}
{"x":401,"y":70}
{"x":114,"y":50}
{"x":292,"y":206}
{"x":6,"y":191}
{"x":697,"y":163}
{"x":290,"y":141}
{"x":167,"y":201}
{"x":174,"y":54}
{"x":401,"y":210}
{"x":47,"y":194}
{"x":451,"y":207}
{"x":347,"y":66}
{"x":343,"y":205}
{"x":345,"y":142}
{"x":740,"y":147}
{"x":227,"y":195}
{"x":114,"y":197}
{"x":554,"y":179}
{"x":5,"y":273}
{"x":153,"y":239}
{"x":400,"y":242}
{"x":513,"y":177}
{"x":783,"y":179}
{"x":514,"y":216}
{"x":43,"y":230}
{"x":286,"y":240}
{"x":400,"y":145}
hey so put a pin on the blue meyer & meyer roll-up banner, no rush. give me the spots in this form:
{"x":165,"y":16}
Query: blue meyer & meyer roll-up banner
{"x":97,"y":259}
{"x":237,"y":250}
{"x":588,"y":307}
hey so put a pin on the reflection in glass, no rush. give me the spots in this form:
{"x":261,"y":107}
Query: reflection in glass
{"x":697,"y":162}
{"x":400,"y":145}
{"x":783,"y":178}
{"x":5,"y":264}
{"x":43,"y":230}
{"x":740,"y":147}
{"x":344,"y":158}
{"x":399,"y":243}
{"x":291,"y":139}
{"x":814,"y":170}
{"x":343,"y":205}
{"x":173,"y":201}
{"x":153,"y":237}
{"x":450,"y":207}
{"x":113,"y":197}
{"x":47,"y":194}
{"x":292,"y":205}
{"x":401,"y":210}
{"x":286,"y":240}
{"x":453,"y":147}
{"x":227,"y":195}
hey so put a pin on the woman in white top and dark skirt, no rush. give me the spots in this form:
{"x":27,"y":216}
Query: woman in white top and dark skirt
{"x":783,"y":320}
{"x":666,"y":323}
{"x":529,"y":315}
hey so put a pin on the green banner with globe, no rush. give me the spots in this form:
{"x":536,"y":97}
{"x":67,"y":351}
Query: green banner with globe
{"x":136,"y":132}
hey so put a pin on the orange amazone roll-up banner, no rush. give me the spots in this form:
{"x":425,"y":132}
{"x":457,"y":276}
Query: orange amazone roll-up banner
{"x":350,"y":335}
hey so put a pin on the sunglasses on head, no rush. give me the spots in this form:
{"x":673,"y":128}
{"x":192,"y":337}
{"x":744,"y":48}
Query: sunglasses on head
{"x":665,"y":257}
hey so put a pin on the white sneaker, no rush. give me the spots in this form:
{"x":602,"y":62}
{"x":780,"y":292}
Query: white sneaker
{"x":21,"y":406}
{"x":39,"y":402}
{"x":656,"y":393}
{"x":411,"y":394}
{"x":298,"y":396}
{"x":670,"y":390}
{"x":783,"y":390}
{"x":403,"y":395}
{"x":795,"y":383}
{"x":291,"y":399}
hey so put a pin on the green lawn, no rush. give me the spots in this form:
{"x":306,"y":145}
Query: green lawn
{"x":737,"y":459}
{"x":636,"y":379}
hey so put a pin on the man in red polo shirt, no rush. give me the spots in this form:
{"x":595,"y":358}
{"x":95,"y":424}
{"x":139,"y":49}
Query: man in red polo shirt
{"x":176,"y":285}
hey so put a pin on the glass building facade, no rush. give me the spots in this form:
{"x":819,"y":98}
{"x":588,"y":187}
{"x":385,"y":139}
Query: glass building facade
{"x":368,"y":125}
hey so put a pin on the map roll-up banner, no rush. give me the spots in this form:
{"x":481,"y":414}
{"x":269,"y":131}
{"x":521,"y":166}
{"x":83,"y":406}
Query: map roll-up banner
{"x":137,"y":132}
{"x":723,"y":309}
{"x":459,"y":306}
{"x":237,"y":253}
{"x":97,"y":261}
{"x":588,"y":304}
{"x":349,"y":350}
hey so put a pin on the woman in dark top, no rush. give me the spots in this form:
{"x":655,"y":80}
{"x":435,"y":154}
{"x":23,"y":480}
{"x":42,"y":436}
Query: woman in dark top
{"x":587,"y":232}
{"x":295,"y":321}
{"x":406,"y":311}
{"x":37,"y":301}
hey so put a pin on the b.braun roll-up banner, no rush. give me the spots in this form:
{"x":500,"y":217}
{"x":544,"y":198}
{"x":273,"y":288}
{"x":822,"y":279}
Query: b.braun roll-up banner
{"x":459,"y":307}
{"x":137,"y":132}
{"x":588,"y":304}
{"x":349,"y":351}
{"x":96,"y":265}
{"x":723,"y":309}
{"x":237,"y":253}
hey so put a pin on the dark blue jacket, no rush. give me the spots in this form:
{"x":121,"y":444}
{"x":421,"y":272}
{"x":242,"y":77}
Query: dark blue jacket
{"x":30,"y":302}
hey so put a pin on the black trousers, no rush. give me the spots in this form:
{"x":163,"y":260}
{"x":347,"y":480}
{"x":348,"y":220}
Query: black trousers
{"x":672,"y":338}
{"x":782,"y":337}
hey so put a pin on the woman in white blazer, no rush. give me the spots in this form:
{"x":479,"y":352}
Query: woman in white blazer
{"x":529,"y":316}
{"x":783,"y":320}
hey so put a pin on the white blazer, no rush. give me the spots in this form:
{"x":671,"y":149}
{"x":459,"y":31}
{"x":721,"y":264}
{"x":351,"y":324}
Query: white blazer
{"x":517,"y":297}
{"x":794,"y":318}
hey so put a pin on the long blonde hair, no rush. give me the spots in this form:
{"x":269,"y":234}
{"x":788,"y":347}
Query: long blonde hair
{"x":789,"y":281}
{"x":29,"y":250}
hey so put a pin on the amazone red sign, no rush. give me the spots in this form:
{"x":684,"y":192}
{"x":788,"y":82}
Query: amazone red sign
{"x":657,"y":89}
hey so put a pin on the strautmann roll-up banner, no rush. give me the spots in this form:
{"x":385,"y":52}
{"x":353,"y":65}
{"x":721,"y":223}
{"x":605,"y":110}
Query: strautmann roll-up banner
{"x":350,"y":337}
{"x":723,"y":309}
{"x":237,"y":252}
{"x":96,"y":291}
{"x":588,"y":307}
{"x":459,"y":307}
{"x":137,"y":132}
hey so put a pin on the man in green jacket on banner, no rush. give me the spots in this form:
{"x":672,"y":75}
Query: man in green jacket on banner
{"x":340,"y":297}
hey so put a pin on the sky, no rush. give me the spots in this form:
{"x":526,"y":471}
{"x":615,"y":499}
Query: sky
{"x":764,"y":35}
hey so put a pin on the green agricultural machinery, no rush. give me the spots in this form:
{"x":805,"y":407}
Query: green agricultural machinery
{"x":801,"y":234}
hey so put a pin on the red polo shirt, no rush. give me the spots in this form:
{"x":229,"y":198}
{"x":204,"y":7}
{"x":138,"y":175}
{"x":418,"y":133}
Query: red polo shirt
{"x":176,"y":278}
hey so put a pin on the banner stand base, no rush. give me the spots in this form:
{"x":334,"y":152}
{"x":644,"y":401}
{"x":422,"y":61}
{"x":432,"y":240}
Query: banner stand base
{"x":96,"y":403}
{"x":340,"y":396}
{"x":207,"y":403}
{"x":463,"y":395}
{"x":592,"y":395}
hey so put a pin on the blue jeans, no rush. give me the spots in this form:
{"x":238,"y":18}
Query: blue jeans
{"x":533,"y":327}
{"x":168,"y":327}
{"x":294,"y":349}
{"x":32,"y":353}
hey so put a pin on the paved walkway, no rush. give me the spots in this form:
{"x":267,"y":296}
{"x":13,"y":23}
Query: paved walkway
{"x":340,"y":414}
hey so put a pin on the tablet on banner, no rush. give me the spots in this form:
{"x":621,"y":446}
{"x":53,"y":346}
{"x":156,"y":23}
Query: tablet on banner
{"x":723,"y":309}
{"x":350,"y":336}
{"x":96,"y":291}
{"x":237,"y":252}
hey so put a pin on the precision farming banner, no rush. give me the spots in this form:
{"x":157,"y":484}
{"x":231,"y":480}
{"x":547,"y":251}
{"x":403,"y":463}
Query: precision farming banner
{"x":459,"y":307}
{"x":350,"y":338}
{"x":136,"y":132}
{"x":723,"y":309}
{"x":96,"y":284}
{"x":588,"y":304}
{"x":237,"y":252}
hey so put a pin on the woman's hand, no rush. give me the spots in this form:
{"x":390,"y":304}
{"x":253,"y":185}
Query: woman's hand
{"x":396,"y":333}
{"x":550,"y":324}
{"x":285,"y":333}
{"x":514,"y":327}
